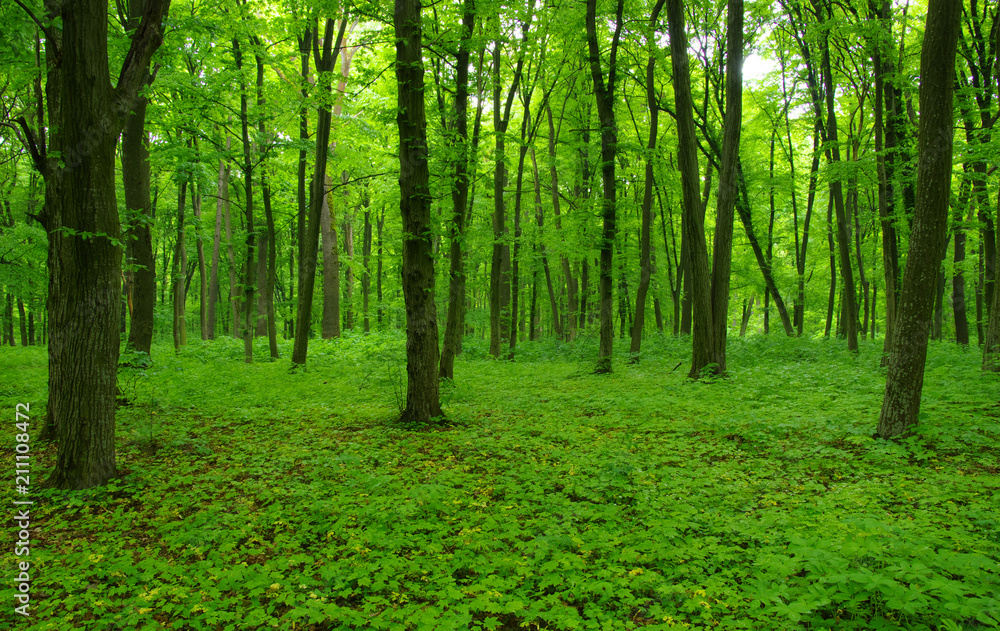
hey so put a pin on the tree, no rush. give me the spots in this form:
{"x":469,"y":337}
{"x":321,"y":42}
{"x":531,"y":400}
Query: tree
{"x":605,"y":94}
{"x":692,"y":222}
{"x":728,"y":173}
{"x":459,"y":198}
{"x":422,"y":400}
{"x":908,"y":354}
{"x":307,"y":252}
{"x":81,"y":217}
{"x":646,"y":264}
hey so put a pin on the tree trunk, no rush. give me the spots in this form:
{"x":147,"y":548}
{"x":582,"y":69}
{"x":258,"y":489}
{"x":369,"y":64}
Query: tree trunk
{"x":202,"y":280}
{"x":318,"y":197}
{"x":331,"y":267}
{"x":543,"y":255}
{"x":605,"y":95}
{"x":832,"y":302}
{"x":422,"y":360}
{"x":140,"y":271}
{"x":694,"y":231}
{"x":249,"y":286}
{"x":349,"y":272}
{"x":177,"y":273}
{"x":722,"y":250}
{"x":904,"y":380}
{"x":500,"y":315}
{"x":459,"y":198}
{"x":572,"y":306}
{"x":85,"y":273}
{"x":366,"y":258}
{"x":645,"y":254}
{"x":221,"y":209}
{"x":837,"y":193}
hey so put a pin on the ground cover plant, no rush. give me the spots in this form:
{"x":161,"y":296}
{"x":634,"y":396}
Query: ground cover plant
{"x":552,"y":498}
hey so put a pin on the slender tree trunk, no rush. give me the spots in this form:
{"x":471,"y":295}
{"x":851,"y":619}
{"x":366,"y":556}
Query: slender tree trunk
{"x":500,"y":314}
{"x":331,"y":268}
{"x":904,"y":380}
{"x":249,"y":286}
{"x":958,"y":274}
{"x":459,"y":199}
{"x":890,"y":243}
{"x":422,"y":360}
{"x":221,"y":209}
{"x":645,"y":254}
{"x":307,"y":252}
{"x":366,"y":258}
{"x":832,"y":302}
{"x":722,"y":250}
{"x":140,"y":272}
{"x":349,"y":272}
{"x":542,"y":253}
{"x":202,"y":279}
{"x":694,"y":231}
{"x":572,"y":305}
{"x":177,"y":273}
{"x":605,"y":94}
{"x":837,"y":193}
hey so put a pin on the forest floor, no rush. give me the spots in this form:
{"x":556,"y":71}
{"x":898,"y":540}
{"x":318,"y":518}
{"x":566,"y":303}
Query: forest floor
{"x":552,"y":498}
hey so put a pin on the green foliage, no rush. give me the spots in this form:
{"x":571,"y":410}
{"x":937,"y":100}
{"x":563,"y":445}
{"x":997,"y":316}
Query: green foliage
{"x":553,"y":498}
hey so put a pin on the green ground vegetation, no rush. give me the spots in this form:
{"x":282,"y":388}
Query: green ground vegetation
{"x":552,"y":498}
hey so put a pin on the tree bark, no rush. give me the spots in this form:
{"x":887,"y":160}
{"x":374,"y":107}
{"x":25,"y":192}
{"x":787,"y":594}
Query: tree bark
{"x":908,"y":355}
{"x":422,"y":358}
{"x":722,"y":250}
{"x":177,"y":273}
{"x":331,"y":267}
{"x":837,"y":193}
{"x":693,"y":226}
{"x":221,"y":209}
{"x":140,"y":271}
{"x":645,"y":254}
{"x":605,"y":94}
{"x":309,"y":246}
{"x":85,"y":273}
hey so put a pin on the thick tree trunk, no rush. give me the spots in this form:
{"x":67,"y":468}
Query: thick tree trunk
{"x":85,"y":273}
{"x":904,"y":380}
{"x":422,"y":359}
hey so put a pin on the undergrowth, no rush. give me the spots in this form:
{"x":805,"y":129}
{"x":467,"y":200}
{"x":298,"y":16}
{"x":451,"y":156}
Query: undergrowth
{"x":553,"y":498}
